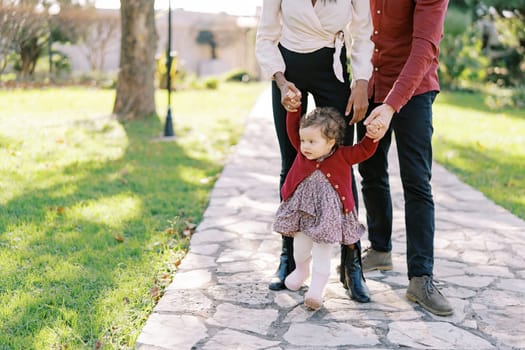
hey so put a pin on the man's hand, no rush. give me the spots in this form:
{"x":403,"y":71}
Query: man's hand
{"x":290,"y":94}
{"x":358,"y":101}
{"x":378,"y":121}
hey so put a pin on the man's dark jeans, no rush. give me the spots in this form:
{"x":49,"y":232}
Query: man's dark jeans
{"x":413,"y":130}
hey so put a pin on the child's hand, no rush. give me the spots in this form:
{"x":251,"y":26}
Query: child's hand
{"x":290,"y":94}
{"x":375,"y":131}
{"x":378,"y":122}
{"x":291,"y":98}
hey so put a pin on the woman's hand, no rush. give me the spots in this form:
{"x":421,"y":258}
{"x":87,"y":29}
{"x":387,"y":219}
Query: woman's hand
{"x":378,"y":121}
{"x":358,"y":101}
{"x":290,"y":94}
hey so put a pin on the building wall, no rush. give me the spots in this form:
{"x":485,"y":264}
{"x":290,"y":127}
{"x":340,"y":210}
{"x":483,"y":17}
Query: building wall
{"x":235,"y":49}
{"x":234,"y":43}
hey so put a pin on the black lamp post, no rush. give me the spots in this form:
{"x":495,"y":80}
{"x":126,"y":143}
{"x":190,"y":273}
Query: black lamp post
{"x":50,"y":53}
{"x":168,"y":127}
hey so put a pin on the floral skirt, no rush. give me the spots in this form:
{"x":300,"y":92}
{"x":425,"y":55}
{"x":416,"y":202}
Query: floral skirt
{"x":316,"y":210}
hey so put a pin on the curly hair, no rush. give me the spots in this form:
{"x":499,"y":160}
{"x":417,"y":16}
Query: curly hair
{"x":330,"y":121}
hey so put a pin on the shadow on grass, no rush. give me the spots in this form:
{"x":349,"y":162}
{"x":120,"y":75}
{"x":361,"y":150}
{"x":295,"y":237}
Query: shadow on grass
{"x":83,"y":265}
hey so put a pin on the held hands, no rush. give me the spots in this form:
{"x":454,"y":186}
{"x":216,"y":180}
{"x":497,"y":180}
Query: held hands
{"x":290,"y":94}
{"x":378,"y":121}
{"x":358,"y":101}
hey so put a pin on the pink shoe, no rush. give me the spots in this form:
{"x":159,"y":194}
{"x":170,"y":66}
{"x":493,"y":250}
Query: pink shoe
{"x":313,"y":299}
{"x":295,"y":280}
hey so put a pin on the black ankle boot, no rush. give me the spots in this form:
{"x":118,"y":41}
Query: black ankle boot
{"x":341,"y":268}
{"x":286,"y":265}
{"x":354,"y":279}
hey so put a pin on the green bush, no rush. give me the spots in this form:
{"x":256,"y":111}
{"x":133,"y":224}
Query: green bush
{"x":100,"y":79}
{"x":497,"y":98}
{"x":456,"y":22}
{"x":518,"y":97}
{"x":511,"y":30}
{"x":211,"y":83}
{"x":239,"y":75}
{"x":161,"y":70}
{"x":461,"y":59}
{"x":61,"y":64}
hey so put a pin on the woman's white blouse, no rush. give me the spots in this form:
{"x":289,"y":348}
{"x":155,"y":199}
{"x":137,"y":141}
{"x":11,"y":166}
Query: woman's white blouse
{"x":303,"y":28}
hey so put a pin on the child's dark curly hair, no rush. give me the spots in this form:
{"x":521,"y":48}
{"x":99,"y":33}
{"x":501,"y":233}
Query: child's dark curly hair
{"x":330,"y":121}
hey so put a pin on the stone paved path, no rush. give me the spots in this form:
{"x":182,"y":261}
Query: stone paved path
{"x":219,"y":297}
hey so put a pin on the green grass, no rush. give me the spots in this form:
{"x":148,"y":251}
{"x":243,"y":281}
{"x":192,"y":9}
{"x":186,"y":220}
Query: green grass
{"x":485,"y":148}
{"x":93,"y":211}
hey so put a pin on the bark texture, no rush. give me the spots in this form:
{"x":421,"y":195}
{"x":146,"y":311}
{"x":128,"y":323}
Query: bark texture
{"x":135,"y":97}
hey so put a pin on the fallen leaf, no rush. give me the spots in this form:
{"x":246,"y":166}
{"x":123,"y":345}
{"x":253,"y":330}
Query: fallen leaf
{"x":190,"y":225}
{"x":154,"y":292}
{"x":170,"y":231}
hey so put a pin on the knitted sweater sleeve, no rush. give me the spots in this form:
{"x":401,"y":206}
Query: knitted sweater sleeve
{"x":361,"y":151}
{"x":292,"y":128}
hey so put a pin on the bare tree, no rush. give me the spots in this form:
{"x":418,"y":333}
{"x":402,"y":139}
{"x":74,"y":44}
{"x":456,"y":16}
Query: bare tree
{"x":90,"y":29}
{"x":135,"y":85}
{"x":100,"y":28}
{"x":9,"y":28}
{"x":22,"y":31}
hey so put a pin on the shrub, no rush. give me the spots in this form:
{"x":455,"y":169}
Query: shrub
{"x":211,"y":83}
{"x":499,"y":98}
{"x":161,"y":70}
{"x":461,"y":59}
{"x":240,"y":75}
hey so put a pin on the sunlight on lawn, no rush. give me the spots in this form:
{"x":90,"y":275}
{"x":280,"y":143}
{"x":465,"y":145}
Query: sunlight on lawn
{"x":54,"y":157}
{"x":485,"y":148}
{"x":95,"y":209}
{"x":61,"y":328}
{"x":112,"y":211}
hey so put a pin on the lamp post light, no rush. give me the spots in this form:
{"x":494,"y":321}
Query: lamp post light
{"x":52,"y":10}
{"x":168,"y":127}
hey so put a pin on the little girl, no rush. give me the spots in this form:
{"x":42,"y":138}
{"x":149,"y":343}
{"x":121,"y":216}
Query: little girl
{"x":318,"y":207}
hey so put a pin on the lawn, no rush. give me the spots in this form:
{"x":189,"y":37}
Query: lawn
{"x":95,"y":214}
{"x":485,"y":148}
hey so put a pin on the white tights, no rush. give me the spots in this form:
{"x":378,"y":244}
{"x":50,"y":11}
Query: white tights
{"x":321,"y":253}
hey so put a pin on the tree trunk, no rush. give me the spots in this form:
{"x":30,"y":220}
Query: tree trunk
{"x":135,"y":85}
{"x":29,"y":53}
